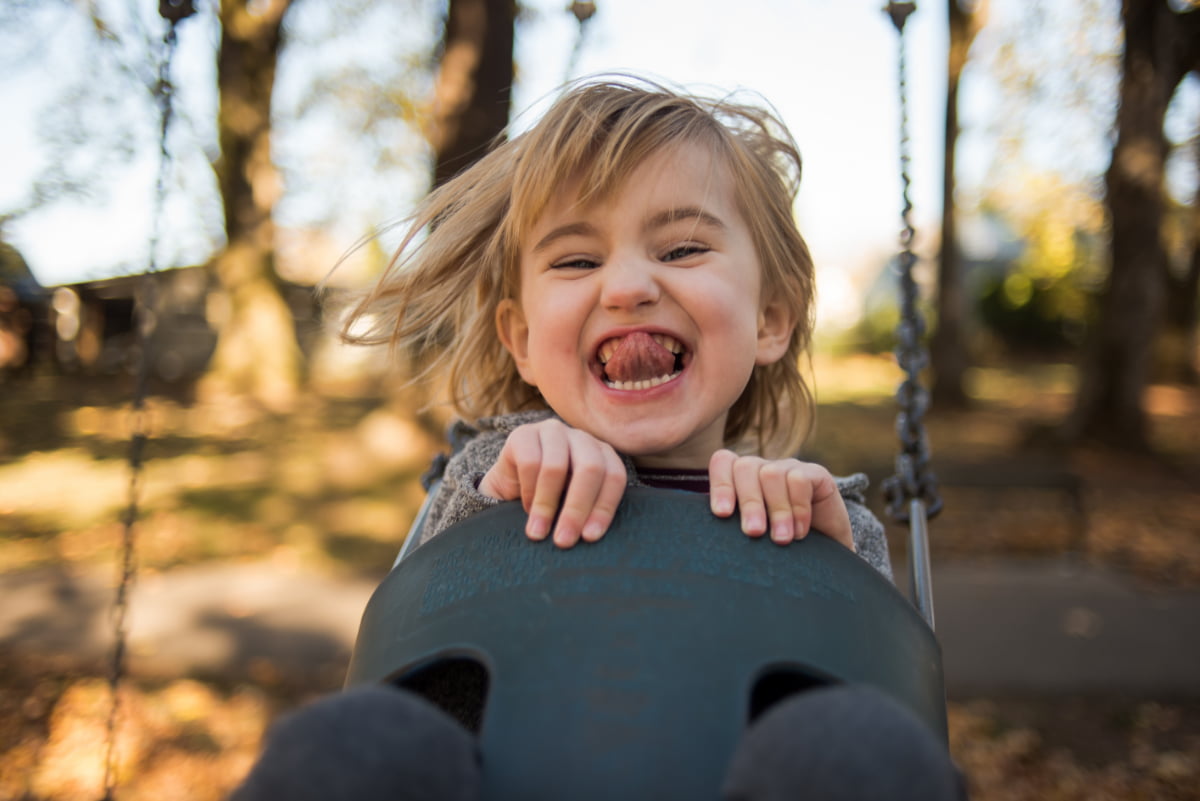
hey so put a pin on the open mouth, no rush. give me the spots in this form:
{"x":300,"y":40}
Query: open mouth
{"x":640,"y":360}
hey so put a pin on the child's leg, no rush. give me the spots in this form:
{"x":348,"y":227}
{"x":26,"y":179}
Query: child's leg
{"x":366,"y":744}
{"x":841,"y":743}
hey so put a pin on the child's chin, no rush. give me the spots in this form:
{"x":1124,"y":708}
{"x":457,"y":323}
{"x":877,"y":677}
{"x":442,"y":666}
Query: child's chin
{"x":650,"y":445}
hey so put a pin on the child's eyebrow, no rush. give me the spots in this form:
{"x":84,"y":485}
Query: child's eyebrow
{"x":669,"y":216}
{"x":570,"y":229}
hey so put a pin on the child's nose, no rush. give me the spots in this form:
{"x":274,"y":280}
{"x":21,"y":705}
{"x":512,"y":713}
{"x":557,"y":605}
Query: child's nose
{"x":628,"y":282}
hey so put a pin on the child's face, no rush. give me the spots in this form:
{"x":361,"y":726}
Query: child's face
{"x":641,"y":316}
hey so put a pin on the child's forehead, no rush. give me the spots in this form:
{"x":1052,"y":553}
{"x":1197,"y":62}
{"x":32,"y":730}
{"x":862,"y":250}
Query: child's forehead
{"x":676,"y":168}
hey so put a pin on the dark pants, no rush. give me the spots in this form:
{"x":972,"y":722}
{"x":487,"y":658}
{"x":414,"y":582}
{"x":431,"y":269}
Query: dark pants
{"x":382,"y":744}
{"x":368,"y":744}
{"x":841,"y":743}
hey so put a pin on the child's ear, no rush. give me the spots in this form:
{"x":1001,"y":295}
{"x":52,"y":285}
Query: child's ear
{"x":776,"y":322}
{"x":514,"y":335}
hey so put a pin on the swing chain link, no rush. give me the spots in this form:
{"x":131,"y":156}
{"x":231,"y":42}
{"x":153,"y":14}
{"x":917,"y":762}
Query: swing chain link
{"x":914,"y":479}
{"x":145,"y":321}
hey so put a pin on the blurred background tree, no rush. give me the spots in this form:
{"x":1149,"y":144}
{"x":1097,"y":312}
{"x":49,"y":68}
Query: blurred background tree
{"x":257,"y":353}
{"x":1179,"y":345}
{"x":264,"y":197}
{"x":1053,"y":70}
{"x":473,"y":92}
{"x":949,"y":348}
{"x":1161,"y":46}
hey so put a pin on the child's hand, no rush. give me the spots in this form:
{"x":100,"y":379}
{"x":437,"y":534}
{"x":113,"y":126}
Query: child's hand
{"x":793,"y":495}
{"x":539,"y":461}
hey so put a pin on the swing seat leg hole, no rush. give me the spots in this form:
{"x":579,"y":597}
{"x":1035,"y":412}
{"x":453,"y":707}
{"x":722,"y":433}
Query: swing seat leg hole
{"x":777,"y":684}
{"x":457,"y":685}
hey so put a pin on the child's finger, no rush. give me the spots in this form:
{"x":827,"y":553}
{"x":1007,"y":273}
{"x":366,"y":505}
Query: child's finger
{"x":548,"y":481}
{"x":827,"y":510}
{"x":503,"y":480}
{"x":524,"y":450}
{"x":773,"y":478}
{"x":611,"y":491}
{"x":721,"y":494}
{"x":748,"y":487}
{"x":588,"y":471}
{"x":800,"y":496}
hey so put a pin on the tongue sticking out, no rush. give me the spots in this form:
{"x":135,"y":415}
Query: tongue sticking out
{"x":639,"y":358}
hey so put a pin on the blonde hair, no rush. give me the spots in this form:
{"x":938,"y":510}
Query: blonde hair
{"x":437,"y":300}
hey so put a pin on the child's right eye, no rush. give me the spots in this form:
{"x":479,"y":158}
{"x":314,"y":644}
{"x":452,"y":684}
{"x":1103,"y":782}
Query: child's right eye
{"x":574,"y":264}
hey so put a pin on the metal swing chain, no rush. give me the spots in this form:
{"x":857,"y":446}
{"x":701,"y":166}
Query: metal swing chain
{"x":145,"y":321}
{"x":912,"y":493}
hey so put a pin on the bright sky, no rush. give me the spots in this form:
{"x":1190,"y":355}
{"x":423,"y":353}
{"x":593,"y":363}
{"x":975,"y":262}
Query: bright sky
{"x":829,"y":68}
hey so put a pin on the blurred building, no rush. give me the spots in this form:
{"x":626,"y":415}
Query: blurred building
{"x":89,"y":326}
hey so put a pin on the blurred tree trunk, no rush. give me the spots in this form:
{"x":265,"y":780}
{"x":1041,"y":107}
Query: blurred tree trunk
{"x":949,"y":345}
{"x":1160,"y":48}
{"x":257,"y":353}
{"x":474,"y":83}
{"x":1179,"y":351}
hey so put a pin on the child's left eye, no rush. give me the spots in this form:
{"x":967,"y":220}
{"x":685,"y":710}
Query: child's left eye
{"x":683,"y":251}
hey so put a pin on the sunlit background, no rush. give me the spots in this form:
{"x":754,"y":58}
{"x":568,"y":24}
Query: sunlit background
{"x":267,"y":518}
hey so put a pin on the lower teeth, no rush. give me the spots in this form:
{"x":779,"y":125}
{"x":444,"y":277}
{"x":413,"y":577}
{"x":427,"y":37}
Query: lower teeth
{"x":644,"y":384}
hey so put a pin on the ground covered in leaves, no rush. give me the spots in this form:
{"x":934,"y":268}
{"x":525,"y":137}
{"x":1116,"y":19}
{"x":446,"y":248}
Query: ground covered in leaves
{"x":334,"y":484}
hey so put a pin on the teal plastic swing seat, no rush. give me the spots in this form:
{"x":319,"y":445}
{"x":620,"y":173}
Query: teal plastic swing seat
{"x":627,"y":669}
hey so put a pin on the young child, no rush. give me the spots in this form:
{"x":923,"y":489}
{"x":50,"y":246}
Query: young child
{"x":618,"y":296}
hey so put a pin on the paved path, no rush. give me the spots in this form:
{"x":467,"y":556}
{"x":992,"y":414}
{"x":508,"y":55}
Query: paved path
{"x":1045,"y":626}
{"x":1058,"y":626}
{"x":253,"y":620}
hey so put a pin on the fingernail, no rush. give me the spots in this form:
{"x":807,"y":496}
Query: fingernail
{"x":722,"y":507}
{"x":754,"y":525}
{"x":537,"y":528}
{"x":593,"y":531}
{"x":782,"y":534}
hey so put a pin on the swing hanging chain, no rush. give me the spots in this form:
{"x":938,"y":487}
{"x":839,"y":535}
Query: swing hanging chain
{"x":914,"y":479}
{"x":145,"y":321}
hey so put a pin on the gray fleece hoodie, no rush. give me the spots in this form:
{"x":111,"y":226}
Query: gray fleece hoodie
{"x":478,"y":447}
